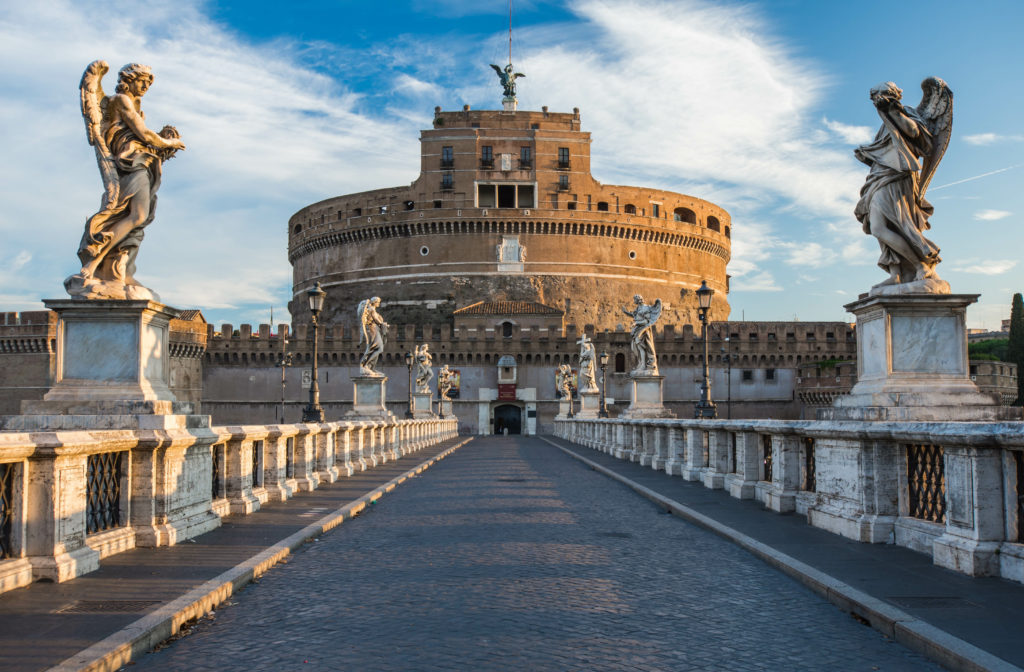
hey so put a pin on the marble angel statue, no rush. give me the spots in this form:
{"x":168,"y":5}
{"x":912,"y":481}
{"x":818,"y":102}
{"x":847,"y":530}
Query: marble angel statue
{"x":903,"y":158}
{"x":373,"y":331}
{"x":424,"y":372}
{"x":444,"y":382}
{"x":563,"y":382}
{"x":130,"y":157}
{"x":644,"y":316}
{"x":588,"y":357}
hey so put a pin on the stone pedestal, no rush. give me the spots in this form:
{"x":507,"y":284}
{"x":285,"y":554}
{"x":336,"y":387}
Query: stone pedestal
{"x":564,"y":408}
{"x":912,"y":363}
{"x":646,"y":398}
{"x":590,"y":404}
{"x":422,"y":405}
{"x":446,"y":409}
{"x":368,"y":397}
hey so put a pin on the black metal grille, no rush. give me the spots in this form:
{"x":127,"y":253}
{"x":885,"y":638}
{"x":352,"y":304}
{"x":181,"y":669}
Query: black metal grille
{"x":732,"y":453}
{"x":810,"y":477}
{"x":257,"y":464}
{"x":103,"y":499}
{"x":926,"y":486}
{"x":289,"y":458}
{"x":1018,"y":458}
{"x":766,"y":457}
{"x":216,"y":483}
{"x":705,"y":459}
{"x":7,"y":472}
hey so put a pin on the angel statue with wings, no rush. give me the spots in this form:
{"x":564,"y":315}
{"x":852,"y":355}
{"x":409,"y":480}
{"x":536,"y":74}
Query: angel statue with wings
{"x":444,"y":382}
{"x":644,"y":316}
{"x":588,"y":378}
{"x":903,"y":159}
{"x":563,"y":382}
{"x":130,"y":156}
{"x":424,"y":372}
{"x":373,"y":331}
{"x":508,"y":79}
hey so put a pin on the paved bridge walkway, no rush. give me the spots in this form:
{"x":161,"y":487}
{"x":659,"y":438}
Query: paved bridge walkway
{"x":512,"y":555}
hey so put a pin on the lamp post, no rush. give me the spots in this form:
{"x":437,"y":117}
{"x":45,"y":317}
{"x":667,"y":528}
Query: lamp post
{"x":705,"y":408}
{"x":285,"y":361}
{"x":728,"y":378}
{"x":408,"y":364}
{"x":603,"y":359}
{"x":313,"y":412}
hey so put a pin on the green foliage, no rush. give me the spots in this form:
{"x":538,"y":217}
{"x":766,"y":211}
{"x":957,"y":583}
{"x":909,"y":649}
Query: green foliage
{"x":994,"y":349}
{"x":984,"y":357}
{"x":827,"y":363}
{"x":1015,"y":347}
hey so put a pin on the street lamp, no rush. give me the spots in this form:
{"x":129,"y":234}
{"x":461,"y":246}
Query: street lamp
{"x":408,"y":364}
{"x":603,"y":359}
{"x":728,"y":377}
{"x":705,"y":408}
{"x":313,"y":412}
{"x":285,"y":361}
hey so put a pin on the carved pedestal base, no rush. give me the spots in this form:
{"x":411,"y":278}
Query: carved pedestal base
{"x":912,"y":363}
{"x":446,"y":409}
{"x":368,"y":397}
{"x":422,"y":405}
{"x":646,"y":398}
{"x":590,"y":404}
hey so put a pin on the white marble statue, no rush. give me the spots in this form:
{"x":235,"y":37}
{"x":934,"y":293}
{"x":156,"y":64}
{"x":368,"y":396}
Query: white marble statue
{"x":424,"y":372}
{"x":130,"y":156}
{"x":444,"y":382}
{"x":588,"y":357}
{"x":644,"y":316}
{"x":903,"y":159}
{"x":374,"y":332}
{"x":563,"y":382}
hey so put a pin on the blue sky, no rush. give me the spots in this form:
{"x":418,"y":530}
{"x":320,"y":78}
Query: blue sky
{"x":756,"y":106}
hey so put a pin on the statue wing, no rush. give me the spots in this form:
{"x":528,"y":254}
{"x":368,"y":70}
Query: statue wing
{"x":360,"y":313}
{"x":94,"y":104}
{"x":518,"y":75}
{"x":655,"y":311}
{"x":501,"y":73}
{"x":936,"y":109}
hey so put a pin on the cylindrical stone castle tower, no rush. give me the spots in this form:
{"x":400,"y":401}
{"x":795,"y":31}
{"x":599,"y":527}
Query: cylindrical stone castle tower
{"x":505,"y":209}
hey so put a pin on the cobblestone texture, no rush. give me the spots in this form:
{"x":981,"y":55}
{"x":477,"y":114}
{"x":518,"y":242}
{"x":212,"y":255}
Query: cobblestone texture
{"x":509,"y":555}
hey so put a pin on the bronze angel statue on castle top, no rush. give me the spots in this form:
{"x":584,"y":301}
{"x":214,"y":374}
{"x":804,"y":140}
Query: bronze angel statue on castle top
{"x":130,"y":156}
{"x":892,"y":207}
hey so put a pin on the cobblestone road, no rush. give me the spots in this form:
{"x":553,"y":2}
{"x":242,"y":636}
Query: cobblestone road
{"x":509,"y":555}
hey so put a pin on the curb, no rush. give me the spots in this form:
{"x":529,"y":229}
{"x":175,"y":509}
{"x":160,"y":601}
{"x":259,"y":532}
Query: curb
{"x":139,"y":637}
{"x":919,"y":636}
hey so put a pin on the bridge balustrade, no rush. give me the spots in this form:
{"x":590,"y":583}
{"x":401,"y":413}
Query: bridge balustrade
{"x":954,"y":490}
{"x":68,"y":499}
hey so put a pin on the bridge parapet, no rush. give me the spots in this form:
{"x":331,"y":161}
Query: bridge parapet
{"x":68,"y":499}
{"x":954,"y":490}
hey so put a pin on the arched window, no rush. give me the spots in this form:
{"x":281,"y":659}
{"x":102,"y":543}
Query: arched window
{"x":684,"y":215}
{"x":728,"y":233}
{"x":620,"y":363}
{"x":602,"y":206}
{"x":506,"y":329}
{"x":713,"y":224}
{"x":629,"y":209}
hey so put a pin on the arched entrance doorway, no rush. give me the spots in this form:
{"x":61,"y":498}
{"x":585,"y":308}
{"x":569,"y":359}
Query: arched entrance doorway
{"x":508,"y":416}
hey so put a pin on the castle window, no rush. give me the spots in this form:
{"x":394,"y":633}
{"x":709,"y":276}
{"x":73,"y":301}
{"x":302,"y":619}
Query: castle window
{"x":563,"y":182}
{"x":629,"y":209}
{"x":769,"y":374}
{"x":748,"y":376}
{"x":486,"y":156}
{"x":684,"y":215}
{"x":620,"y":363}
{"x":437,"y":204}
{"x":713,"y":224}
{"x":447,"y":157}
{"x":526,"y":196}
{"x":506,"y":195}
{"x":409,"y":205}
{"x":571,"y":205}
{"x":298,"y":228}
{"x":506,"y":329}
{"x":485,"y":196}
{"x":525,"y":158}
{"x":563,"y":158}
{"x":357,"y":212}
{"x":655,"y":210}
{"x":728,"y":233}
{"x":602,"y":206}
{"x":446,"y":182}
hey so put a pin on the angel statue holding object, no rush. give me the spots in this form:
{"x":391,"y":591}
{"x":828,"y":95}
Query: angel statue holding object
{"x":903,"y":159}
{"x":130,"y":156}
{"x":588,"y":379}
{"x":644,"y":316}
{"x":508,"y":79}
{"x":373,"y":331}
{"x":444,"y":382}
{"x":424,"y":372}
{"x":563,"y":382}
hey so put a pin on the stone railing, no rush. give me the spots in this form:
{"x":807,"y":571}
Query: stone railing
{"x":68,"y":499}
{"x":954,"y":490}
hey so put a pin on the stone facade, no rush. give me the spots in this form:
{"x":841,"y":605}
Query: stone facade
{"x":505,"y":209}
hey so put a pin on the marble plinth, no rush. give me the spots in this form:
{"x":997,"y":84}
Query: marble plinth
{"x":422,"y":405}
{"x":566,"y":408}
{"x":446,"y":409}
{"x":646,"y":398}
{"x":912,"y":363}
{"x":368,"y":397}
{"x":590,"y":404}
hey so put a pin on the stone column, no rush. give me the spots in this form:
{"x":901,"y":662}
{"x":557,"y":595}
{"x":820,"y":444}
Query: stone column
{"x":675,"y":461}
{"x":748,"y":466}
{"x":696,"y":464}
{"x":718,"y":459}
{"x":781,"y":494}
{"x":975,"y":521}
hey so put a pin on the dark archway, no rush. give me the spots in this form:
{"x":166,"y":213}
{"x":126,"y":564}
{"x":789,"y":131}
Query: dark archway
{"x":508,"y":416}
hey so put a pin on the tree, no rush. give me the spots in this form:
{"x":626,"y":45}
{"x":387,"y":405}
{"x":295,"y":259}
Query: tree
{"x":1015,"y":350}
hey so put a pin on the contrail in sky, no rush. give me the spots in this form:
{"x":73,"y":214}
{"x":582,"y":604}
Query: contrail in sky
{"x":977,"y":177}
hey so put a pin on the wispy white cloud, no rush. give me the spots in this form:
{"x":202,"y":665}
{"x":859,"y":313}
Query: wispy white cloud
{"x":982,"y":139}
{"x":991,"y":215}
{"x":851,"y":135}
{"x":759,"y":282}
{"x":986,"y":267}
